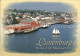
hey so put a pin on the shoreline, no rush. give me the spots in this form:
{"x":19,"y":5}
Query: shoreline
{"x":42,"y":24}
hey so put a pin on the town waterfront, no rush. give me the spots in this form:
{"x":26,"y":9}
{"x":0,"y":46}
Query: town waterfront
{"x":26,"y":43}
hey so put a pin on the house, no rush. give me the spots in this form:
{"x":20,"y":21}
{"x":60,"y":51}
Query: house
{"x":35,"y":19}
{"x":61,"y":19}
{"x":26,"y":15}
{"x":18,"y":19}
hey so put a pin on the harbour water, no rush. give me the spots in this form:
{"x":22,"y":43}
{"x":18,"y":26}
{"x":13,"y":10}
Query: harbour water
{"x":27,"y":43}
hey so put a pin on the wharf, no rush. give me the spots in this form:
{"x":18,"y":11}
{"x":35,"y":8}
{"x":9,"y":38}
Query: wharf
{"x":29,"y":27}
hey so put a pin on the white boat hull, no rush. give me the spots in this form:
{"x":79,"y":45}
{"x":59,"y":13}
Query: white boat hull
{"x":6,"y":32}
{"x":55,"y":33}
{"x":10,"y":31}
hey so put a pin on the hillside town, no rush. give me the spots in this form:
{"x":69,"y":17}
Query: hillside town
{"x":19,"y":21}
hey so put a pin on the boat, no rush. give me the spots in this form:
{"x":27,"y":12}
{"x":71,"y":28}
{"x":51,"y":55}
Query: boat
{"x":30,"y":30}
{"x":19,"y":31}
{"x":67,"y":22}
{"x":10,"y":31}
{"x":55,"y":31}
{"x":49,"y":23}
{"x":26,"y":31}
{"x":6,"y":32}
{"x":46,"y":25}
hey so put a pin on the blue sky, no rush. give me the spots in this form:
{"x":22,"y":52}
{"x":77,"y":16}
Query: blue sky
{"x":49,"y":6}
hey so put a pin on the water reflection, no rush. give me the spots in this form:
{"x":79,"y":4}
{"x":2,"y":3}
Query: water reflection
{"x":55,"y":37}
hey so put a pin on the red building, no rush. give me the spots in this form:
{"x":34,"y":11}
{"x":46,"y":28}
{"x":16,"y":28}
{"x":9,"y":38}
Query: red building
{"x":23,"y":26}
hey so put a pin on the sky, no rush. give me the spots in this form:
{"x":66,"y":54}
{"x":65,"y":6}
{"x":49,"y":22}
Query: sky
{"x":49,"y":6}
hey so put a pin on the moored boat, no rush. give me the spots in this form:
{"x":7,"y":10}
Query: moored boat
{"x":10,"y":31}
{"x":45,"y":26}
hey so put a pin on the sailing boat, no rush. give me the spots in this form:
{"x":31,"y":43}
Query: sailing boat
{"x":56,"y":31}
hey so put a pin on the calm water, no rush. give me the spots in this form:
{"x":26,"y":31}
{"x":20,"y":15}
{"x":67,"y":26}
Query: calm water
{"x":26,"y":43}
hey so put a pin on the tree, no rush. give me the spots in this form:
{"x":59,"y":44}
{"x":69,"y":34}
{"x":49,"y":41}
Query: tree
{"x":15,"y":10}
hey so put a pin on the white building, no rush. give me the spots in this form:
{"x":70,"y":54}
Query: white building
{"x":35,"y":19}
{"x":46,"y":18}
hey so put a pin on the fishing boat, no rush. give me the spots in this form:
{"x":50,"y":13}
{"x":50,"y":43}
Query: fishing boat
{"x":55,"y":31}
